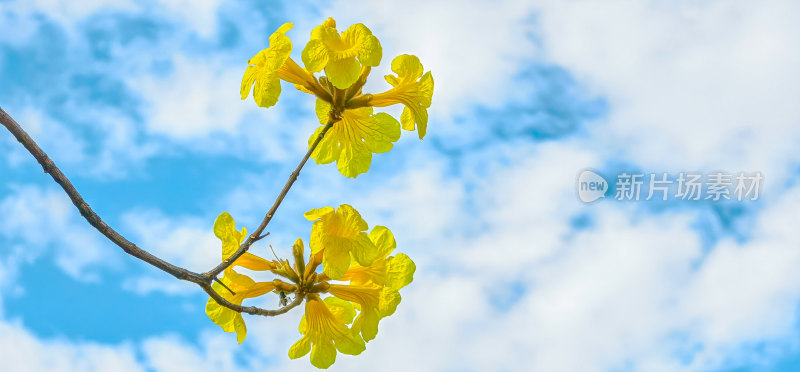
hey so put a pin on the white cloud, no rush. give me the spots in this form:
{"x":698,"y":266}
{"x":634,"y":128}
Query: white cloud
{"x":216,"y":353}
{"x":199,"y":16}
{"x":23,"y":351}
{"x":39,"y":220}
{"x":187,"y":242}
{"x":473,"y":52}
{"x":634,"y":290}
{"x":707,"y":83}
{"x":197,"y":106}
{"x":197,"y":99}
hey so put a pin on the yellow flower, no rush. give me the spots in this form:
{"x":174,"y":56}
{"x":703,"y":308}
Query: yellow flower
{"x":375,"y":302}
{"x":244,"y":287}
{"x":352,"y":140}
{"x":412,"y":89}
{"x":225,"y":230}
{"x":323,"y":334}
{"x":342,"y":310}
{"x":263,"y":67}
{"x":394,"y":272}
{"x":341,"y":56}
{"x":339,"y":234}
{"x":241,"y":285}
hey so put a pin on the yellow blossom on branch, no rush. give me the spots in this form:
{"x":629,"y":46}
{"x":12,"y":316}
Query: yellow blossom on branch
{"x":394,"y":272}
{"x":341,"y":56}
{"x":270,"y":65}
{"x":375,"y":302}
{"x":356,"y":132}
{"x":243,"y":287}
{"x":225,"y":230}
{"x":340,"y":234}
{"x":324,"y":334}
{"x":412,"y":89}
{"x":352,"y":140}
{"x":262,"y":69}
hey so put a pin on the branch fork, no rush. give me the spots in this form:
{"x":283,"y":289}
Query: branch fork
{"x":204,"y":280}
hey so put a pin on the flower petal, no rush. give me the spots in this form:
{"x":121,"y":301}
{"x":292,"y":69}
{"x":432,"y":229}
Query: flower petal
{"x":280,"y":46}
{"x":389,"y":299}
{"x":323,"y":354}
{"x":225,"y":230}
{"x":315,"y":56}
{"x":322,"y":109}
{"x":343,"y":73}
{"x":253,"y":262}
{"x":351,"y":219}
{"x":382,"y":131}
{"x":327,"y":150}
{"x":407,"y":67}
{"x":300,"y":348}
{"x":247,"y":81}
{"x":363,"y":250}
{"x":368,"y":46}
{"x":341,"y":309}
{"x":350,"y":344}
{"x":383,"y":239}
{"x":318,"y":213}
{"x":240,"y":327}
{"x":219,"y":314}
{"x":354,"y":159}
{"x":267,"y":90}
{"x":400,"y":271}
{"x":336,"y":257}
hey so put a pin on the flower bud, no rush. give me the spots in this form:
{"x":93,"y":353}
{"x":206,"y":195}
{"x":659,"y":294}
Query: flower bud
{"x":297,"y":252}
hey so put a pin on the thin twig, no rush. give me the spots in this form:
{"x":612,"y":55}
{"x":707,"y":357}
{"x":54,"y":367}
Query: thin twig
{"x":268,"y":217}
{"x":203,"y":280}
{"x":224,"y":286}
{"x":261,"y":237}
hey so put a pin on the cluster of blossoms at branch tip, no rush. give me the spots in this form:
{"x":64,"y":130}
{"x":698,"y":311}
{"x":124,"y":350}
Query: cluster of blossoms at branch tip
{"x":339,"y":243}
{"x":346,"y":58}
{"x":348,"y":279}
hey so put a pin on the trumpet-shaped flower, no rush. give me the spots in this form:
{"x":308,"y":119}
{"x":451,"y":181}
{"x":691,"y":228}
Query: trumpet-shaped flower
{"x":352,"y":140}
{"x":263,"y":69}
{"x":394,"y":272}
{"x":412,"y":88}
{"x":243,"y":287}
{"x":341,"y":56}
{"x":323,"y":334}
{"x":375,"y":302}
{"x":225,"y":230}
{"x":339,"y":234}
{"x":341,"y":309}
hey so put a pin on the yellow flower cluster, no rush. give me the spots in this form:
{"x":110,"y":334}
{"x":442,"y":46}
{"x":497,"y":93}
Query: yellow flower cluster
{"x":346,"y":59}
{"x":348,"y":279}
{"x":366,"y":289}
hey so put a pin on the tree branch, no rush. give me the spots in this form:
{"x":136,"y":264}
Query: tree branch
{"x":252,"y":309}
{"x":86,"y":211}
{"x":203,"y":280}
{"x":268,"y":217}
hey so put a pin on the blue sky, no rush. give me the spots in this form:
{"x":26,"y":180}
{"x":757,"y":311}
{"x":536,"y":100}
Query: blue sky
{"x":137,"y":102}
